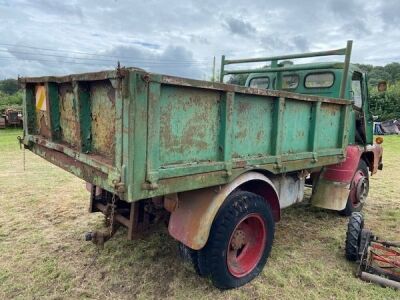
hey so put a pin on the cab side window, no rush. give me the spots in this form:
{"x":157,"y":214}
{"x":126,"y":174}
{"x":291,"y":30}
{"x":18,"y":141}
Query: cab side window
{"x":260,"y":82}
{"x":356,"y":88}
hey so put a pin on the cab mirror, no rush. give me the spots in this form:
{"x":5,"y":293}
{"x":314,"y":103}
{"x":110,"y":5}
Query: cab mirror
{"x":382,"y":86}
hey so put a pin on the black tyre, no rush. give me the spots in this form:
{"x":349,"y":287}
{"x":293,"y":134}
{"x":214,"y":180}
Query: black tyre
{"x":190,"y":256}
{"x":358,"y":191}
{"x":353,"y":236}
{"x":240,"y":241}
{"x":365,"y":239}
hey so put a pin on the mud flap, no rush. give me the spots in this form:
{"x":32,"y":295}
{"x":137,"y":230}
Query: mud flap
{"x":333,"y":186}
{"x":330,"y":194}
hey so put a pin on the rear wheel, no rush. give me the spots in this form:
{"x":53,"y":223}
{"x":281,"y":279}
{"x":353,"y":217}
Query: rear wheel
{"x":190,"y":256}
{"x":358,"y":191}
{"x":240,"y":241}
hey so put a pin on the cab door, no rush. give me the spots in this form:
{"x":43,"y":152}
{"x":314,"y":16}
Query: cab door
{"x":364,"y":121}
{"x":369,"y":124}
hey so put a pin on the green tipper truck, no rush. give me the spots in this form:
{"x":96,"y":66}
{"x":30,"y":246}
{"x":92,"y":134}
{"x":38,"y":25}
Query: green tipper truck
{"x":216,"y":161}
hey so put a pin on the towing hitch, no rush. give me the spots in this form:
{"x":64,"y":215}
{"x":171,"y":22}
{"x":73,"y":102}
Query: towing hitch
{"x":99,"y":237}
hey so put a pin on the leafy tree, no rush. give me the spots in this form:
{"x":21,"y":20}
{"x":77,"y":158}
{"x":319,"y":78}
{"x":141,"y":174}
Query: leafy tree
{"x":378,"y":74}
{"x":9,"y":86}
{"x":394,"y":70}
{"x":10,"y":101}
{"x":365,"y":68}
{"x":385,"y":105}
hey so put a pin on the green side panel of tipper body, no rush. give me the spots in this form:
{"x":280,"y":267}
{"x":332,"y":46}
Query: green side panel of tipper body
{"x":329,"y":125}
{"x":296,"y":126}
{"x":252,"y":126}
{"x":189,"y":125}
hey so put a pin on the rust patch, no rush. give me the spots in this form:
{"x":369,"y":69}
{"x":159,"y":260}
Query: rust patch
{"x":70,"y":130}
{"x":44,"y":129}
{"x":188,"y":122}
{"x":332,"y":109}
{"x":69,"y":164}
{"x":102,"y":96}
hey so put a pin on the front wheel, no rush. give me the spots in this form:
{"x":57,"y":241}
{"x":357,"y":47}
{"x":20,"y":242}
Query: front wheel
{"x":239,"y":242}
{"x":358,"y":190}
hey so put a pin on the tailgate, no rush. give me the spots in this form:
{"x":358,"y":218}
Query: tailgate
{"x":75,"y":123}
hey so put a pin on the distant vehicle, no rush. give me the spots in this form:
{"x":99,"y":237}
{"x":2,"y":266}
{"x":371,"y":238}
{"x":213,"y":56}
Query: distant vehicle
{"x":216,"y":161}
{"x":11,"y":118}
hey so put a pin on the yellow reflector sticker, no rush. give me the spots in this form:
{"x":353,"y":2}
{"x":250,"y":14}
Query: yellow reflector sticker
{"x":40,"y":98}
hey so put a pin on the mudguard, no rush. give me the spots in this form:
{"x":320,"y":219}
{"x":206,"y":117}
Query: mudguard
{"x":190,"y":222}
{"x":333,"y":185}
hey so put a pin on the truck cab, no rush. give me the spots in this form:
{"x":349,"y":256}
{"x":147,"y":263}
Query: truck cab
{"x":348,"y":180}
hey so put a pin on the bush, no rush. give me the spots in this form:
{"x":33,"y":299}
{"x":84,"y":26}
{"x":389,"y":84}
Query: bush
{"x":10,"y":101}
{"x":386,"y":105}
{"x":9,"y":86}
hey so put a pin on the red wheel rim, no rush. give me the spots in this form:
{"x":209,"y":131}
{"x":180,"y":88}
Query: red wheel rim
{"x":359,"y":189}
{"x":246,"y":245}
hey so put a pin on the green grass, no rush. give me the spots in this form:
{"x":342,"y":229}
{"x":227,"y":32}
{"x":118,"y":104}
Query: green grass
{"x":43,"y":217}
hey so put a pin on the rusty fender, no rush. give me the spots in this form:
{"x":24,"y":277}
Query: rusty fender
{"x":333,"y":186}
{"x":373,"y":155}
{"x":191,"y":221}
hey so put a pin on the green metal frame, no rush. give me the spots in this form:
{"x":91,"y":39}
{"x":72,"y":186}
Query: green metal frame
{"x":275,"y":64}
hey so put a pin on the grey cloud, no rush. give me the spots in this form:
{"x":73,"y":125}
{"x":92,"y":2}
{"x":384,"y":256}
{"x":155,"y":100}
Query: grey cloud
{"x":356,"y":27}
{"x":174,"y":60}
{"x":240,"y":27}
{"x":199,"y":39}
{"x":147,"y":45}
{"x":390,"y":13}
{"x":71,"y":8}
{"x":347,"y":9}
{"x":163,"y":34}
{"x":301,"y":43}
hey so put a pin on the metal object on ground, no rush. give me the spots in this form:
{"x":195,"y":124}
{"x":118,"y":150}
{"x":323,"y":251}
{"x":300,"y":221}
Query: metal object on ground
{"x":379,"y":280}
{"x":379,"y":261}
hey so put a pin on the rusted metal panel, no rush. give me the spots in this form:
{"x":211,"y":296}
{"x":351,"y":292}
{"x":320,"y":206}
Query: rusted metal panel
{"x":159,"y":134}
{"x":252,"y":126}
{"x":191,"y":220}
{"x":69,"y":124}
{"x":344,"y":171}
{"x":374,"y":155}
{"x":102,"y":95}
{"x":189,"y":125}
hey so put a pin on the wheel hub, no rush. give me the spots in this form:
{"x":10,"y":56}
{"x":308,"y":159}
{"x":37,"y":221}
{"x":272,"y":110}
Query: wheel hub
{"x":362,"y":189}
{"x":238,"y":239}
{"x":246,"y":245}
{"x":359,"y":190}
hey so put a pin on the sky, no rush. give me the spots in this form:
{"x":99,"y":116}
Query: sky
{"x":49,"y":37}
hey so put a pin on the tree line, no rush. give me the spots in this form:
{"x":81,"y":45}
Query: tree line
{"x":10,"y":95}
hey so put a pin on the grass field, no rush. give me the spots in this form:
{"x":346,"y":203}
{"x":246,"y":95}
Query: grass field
{"x":43,"y":217}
